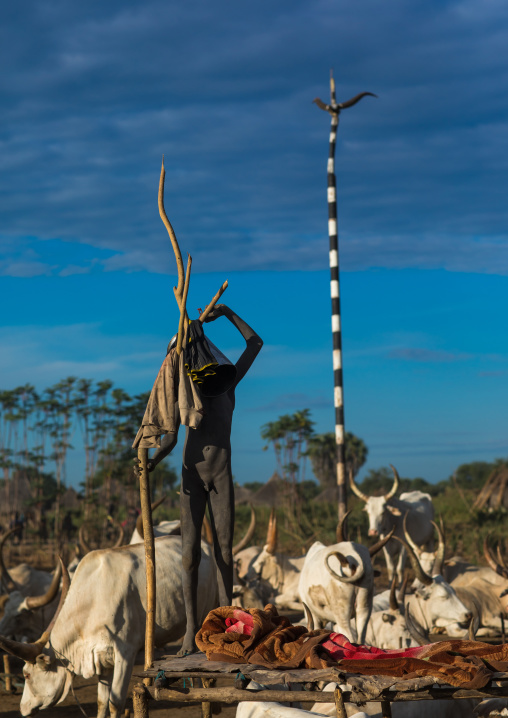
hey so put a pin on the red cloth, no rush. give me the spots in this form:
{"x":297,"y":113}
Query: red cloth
{"x":340,"y":648}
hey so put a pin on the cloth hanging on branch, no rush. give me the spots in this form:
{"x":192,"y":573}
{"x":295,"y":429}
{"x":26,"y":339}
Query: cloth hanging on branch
{"x":267,"y":639}
{"x":174,"y":400}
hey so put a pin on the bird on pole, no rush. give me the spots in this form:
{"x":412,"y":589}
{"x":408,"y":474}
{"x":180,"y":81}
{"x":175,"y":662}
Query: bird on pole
{"x":334,"y":109}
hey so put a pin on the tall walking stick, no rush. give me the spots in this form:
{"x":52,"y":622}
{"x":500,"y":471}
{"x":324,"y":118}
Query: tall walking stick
{"x":146,"y":513}
{"x":334,"y":110}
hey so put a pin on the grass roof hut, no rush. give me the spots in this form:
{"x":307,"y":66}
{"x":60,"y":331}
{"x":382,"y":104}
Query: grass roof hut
{"x":494,"y":494}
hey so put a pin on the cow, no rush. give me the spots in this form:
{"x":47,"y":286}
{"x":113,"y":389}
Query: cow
{"x":387,"y":628}
{"x":484,"y":589}
{"x":31,"y":598}
{"x":387,"y":512}
{"x":331,"y":578}
{"x":435,"y":603}
{"x":100,"y":624}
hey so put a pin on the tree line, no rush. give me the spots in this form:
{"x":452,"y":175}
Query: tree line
{"x":37,"y":430}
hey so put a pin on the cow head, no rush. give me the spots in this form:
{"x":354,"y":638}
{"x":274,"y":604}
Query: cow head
{"x":378,"y":508}
{"x":47,"y":679}
{"x":439,"y":601}
{"x":47,"y":682}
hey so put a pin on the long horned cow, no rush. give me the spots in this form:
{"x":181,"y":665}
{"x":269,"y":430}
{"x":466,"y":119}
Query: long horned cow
{"x":30,"y":600}
{"x":386,"y":513}
{"x":100,"y":625}
{"x":332,"y":577}
{"x":435,"y":604}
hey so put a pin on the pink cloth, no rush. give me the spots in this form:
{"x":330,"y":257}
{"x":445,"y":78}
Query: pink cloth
{"x":241,"y":622}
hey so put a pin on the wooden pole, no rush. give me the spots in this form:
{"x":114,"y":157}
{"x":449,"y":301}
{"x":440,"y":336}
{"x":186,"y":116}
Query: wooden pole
{"x":146,"y":512}
{"x":334,"y":110}
{"x":7,"y":671}
{"x":140,"y":701}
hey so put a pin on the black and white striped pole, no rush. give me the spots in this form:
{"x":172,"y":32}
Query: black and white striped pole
{"x":334,"y":110}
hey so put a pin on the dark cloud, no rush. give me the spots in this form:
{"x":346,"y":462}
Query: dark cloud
{"x":93,"y":95}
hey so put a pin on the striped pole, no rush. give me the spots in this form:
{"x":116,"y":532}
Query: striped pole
{"x":334,"y":110}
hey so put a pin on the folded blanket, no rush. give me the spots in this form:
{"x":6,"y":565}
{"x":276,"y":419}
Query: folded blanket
{"x":265,"y":638}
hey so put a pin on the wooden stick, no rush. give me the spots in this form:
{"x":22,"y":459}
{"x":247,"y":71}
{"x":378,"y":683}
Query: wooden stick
{"x":7,"y":671}
{"x":213,"y":302}
{"x":339,"y":703}
{"x":172,"y":235}
{"x":183,"y":312}
{"x":146,"y":512}
{"x":386,"y":709}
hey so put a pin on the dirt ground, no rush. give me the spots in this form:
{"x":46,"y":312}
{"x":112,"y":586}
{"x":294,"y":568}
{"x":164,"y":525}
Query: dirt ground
{"x":86,"y":694}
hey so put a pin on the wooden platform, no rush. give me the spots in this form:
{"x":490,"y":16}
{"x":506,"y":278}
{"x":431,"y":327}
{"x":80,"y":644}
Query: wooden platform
{"x":194,"y":679}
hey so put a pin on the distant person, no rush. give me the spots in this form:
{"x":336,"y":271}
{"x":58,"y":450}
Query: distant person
{"x":68,"y":527}
{"x":43,"y":529}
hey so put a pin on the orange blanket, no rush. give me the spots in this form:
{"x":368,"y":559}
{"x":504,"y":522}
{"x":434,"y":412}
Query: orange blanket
{"x":270,"y":640}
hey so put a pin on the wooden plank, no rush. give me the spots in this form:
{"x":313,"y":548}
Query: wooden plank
{"x":232,"y":695}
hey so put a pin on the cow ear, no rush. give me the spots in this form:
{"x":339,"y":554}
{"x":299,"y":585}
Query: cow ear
{"x":393,"y":510}
{"x":43,"y":661}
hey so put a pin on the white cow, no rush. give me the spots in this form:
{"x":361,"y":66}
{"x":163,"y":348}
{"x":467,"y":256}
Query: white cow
{"x":329,"y":580}
{"x":387,"y":512}
{"x":101,"y":624}
{"x":484,"y":589}
{"x":387,"y":628}
{"x":435,"y":604}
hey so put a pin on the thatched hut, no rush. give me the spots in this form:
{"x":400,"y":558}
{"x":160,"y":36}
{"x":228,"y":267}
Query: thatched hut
{"x":494,"y":494}
{"x":276,"y":492}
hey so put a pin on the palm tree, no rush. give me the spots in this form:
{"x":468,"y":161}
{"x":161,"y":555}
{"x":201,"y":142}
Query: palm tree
{"x":322,"y":450}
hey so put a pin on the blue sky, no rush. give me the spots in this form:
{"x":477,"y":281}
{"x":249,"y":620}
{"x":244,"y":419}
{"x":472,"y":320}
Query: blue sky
{"x":91,"y":97}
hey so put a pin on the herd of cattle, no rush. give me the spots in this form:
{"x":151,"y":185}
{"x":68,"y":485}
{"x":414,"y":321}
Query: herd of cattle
{"x":97,"y":620}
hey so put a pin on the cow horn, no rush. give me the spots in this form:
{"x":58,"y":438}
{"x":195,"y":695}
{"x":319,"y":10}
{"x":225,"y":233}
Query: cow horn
{"x":139,"y":520}
{"x":249,"y":534}
{"x":473,"y":627}
{"x":121,"y":532}
{"x":39,"y":601}
{"x":420,"y":635}
{"x":309,"y":616}
{"x":28,"y":652}
{"x":344,"y":562}
{"x":5,"y":577}
{"x":408,"y":538}
{"x":396,"y":482}
{"x":494,"y":565}
{"x":84,"y":545}
{"x":500,"y":556}
{"x":271,"y":534}
{"x":355,"y":489}
{"x":440,"y":553}
{"x":206,"y":531}
{"x":420,"y":573}
{"x":340,"y":528}
{"x":403,"y":589}
{"x":379,"y":544}
{"x":66,"y":582}
{"x":393,"y":599}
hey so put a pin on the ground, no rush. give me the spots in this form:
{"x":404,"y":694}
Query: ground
{"x":86,"y":694}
